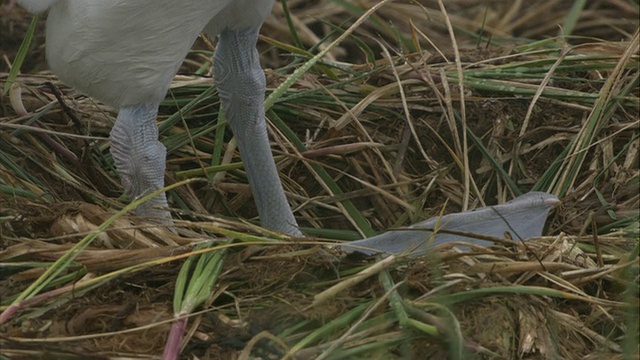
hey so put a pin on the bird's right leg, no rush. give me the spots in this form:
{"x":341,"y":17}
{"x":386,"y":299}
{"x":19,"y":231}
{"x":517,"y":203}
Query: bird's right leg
{"x":140,"y":158}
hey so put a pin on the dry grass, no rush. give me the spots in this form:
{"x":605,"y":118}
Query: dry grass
{"x":372,"y":138}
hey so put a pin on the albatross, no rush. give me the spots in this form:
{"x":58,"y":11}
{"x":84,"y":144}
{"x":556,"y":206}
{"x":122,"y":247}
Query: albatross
{"x":125,"y":53}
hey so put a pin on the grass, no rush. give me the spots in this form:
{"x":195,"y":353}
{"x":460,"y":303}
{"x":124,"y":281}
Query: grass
{"x":375,"y":124}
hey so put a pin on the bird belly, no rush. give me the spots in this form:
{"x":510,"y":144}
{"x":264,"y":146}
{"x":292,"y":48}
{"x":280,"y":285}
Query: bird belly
{"x":239,"y":15}
{"x":124,"y":52}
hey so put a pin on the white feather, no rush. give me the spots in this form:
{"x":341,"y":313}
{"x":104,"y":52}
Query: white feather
{"x":126,"y":52}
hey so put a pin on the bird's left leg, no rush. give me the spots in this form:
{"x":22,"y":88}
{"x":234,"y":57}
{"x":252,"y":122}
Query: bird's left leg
{"x":241,"y":85}
{"x":140,"y":158}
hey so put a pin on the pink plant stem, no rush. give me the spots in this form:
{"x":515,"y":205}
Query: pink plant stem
{"x":172,"y":346}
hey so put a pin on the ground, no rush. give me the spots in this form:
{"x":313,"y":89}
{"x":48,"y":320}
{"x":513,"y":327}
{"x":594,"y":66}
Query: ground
{"x":357,"y":155}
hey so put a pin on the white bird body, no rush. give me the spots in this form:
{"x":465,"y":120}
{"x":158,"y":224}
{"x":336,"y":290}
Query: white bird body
{"x":126,"y":52}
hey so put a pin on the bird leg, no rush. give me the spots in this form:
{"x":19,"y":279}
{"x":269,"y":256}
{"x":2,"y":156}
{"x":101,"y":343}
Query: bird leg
{"x":140,"y":158}
{"x":241,"y":85}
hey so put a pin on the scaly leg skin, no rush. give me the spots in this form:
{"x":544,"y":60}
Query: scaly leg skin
{"x":241,"y":84}
{"x":140,"y":159}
